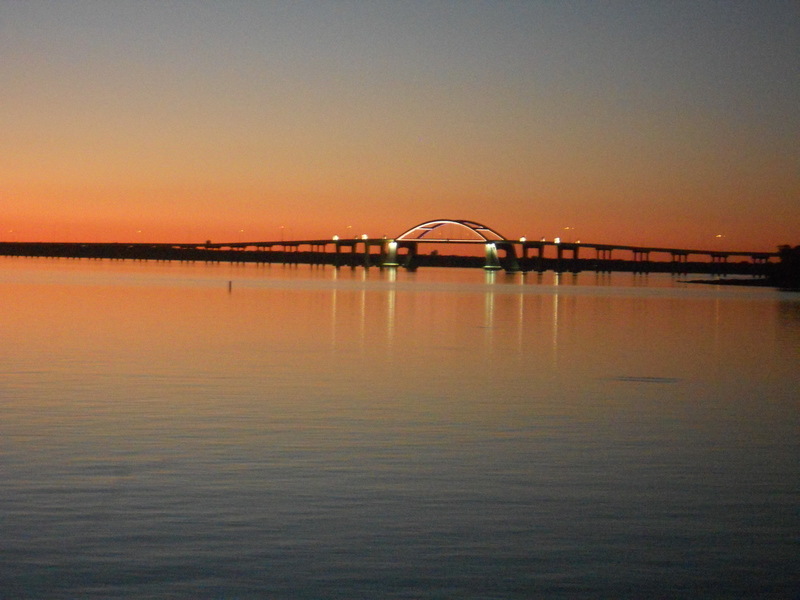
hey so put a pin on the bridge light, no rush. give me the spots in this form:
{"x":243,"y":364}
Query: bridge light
{"x":364,"y":236}
{"x":523,"y":239}
{"x":557,"y":240}
{"x":336,"y":238}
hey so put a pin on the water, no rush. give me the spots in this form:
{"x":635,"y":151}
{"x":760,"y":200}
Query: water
{"x":313,"y":433}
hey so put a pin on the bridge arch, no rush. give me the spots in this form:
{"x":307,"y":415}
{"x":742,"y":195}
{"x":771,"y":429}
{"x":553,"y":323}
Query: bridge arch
{"x":483,"y":232}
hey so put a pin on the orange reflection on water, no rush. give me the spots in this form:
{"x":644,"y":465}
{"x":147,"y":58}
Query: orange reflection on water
{"x":447,"y":343}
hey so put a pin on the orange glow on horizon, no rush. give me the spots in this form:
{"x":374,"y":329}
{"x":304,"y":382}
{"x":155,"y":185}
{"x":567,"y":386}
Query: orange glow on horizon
{"x":169,"y":224}
{"x":125,"y":127}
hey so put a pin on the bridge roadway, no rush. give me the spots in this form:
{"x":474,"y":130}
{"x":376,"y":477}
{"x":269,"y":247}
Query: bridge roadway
{"x":501,"y":253}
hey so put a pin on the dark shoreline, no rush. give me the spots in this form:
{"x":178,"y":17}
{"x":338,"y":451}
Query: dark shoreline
{"x":738,"y":281}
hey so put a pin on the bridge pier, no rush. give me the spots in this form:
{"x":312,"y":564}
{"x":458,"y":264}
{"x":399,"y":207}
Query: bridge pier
{"x":603,"y":259}
{"x":367,"y":260}
{"x":679,"y":260}
{"x":719,"y":262}
{"x":540,"y":258}
{"x":759,"y":264}
{"x":538,"y":262}
{"x":492,"y":260}
{"x":411,"y":259}
{"x":604,"y":253}
{"x":389,"y":254}
{"x":642,"y":260}
{"x":509,"y":262}
{"x":574,"y":265}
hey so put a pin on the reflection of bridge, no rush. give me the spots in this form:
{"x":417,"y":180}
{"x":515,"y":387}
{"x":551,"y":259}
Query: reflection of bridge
{"x":404,"y":251}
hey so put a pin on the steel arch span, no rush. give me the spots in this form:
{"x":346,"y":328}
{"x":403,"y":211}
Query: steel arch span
{"x":483,"y":233}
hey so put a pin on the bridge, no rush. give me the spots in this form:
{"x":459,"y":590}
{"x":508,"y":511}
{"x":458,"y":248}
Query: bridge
{"x":499,"y":252}
{"x":512,"y":255}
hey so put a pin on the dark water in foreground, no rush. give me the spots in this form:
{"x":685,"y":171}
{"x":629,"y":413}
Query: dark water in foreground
{"x":321,"y":434}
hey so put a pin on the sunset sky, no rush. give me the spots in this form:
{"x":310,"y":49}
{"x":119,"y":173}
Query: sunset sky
{"x":658,"y":123}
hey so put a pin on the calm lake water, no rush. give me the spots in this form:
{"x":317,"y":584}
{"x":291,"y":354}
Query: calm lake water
{"x":314,"y":433}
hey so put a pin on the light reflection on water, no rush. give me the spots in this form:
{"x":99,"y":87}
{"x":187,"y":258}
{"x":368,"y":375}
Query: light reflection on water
{"x":318,"y":433}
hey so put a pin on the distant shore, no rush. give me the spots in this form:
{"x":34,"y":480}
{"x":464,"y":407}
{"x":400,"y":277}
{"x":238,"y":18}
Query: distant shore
{"x":745,"y":282}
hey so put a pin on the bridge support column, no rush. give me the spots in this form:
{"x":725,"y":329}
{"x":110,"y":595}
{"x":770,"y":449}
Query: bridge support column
{"x":336,"y":254}
{"x":760,"y":265}
{"x":679,"y":260}
{"x":367,"y":259}
{"x":353,"y":255}
{"x":604,"y":259}
{"x":719,"y":261}
{"x":492,"y":260}
{"x":575,"y":262}
{"x":532,"y":263}
{"x":411,"y":260}
{"x":642,"y":258}
{"x":389,"y":254}
{"x":509,"y":262}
